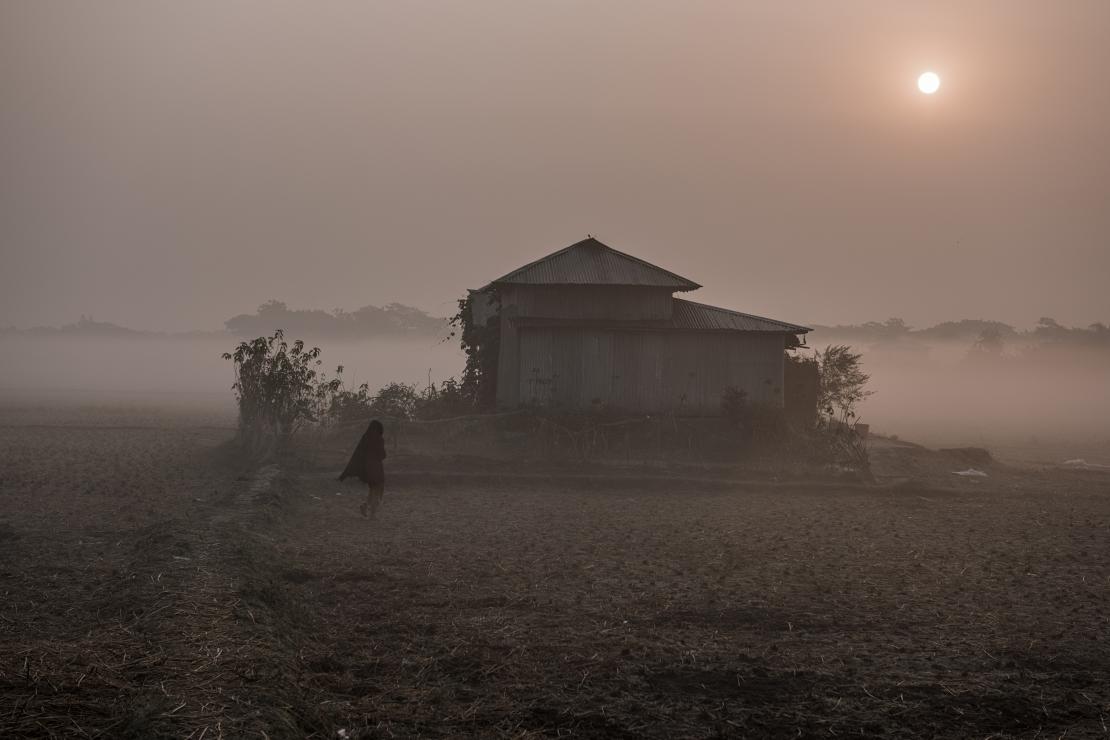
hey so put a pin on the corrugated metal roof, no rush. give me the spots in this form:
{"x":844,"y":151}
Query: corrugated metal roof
{"x":691,"y":315}
{"x":589,"y":262}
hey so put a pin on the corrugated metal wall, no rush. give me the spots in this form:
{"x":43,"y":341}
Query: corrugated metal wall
{"x":565,"y":302}
{"x":617,"y":303}
{"x":646,"y":372}
{"x":801,"y":386}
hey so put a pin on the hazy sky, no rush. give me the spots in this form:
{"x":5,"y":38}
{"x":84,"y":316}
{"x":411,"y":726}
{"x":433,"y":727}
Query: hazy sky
{"x":165,"y":165}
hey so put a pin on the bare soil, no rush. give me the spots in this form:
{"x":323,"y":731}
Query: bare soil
{"x":152,"y":585}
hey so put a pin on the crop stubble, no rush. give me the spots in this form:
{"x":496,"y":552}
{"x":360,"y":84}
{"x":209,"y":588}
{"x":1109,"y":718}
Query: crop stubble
{"x":153,"y":587}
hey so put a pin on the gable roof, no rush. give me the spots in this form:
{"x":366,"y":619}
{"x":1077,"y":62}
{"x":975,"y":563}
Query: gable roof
{"x":589,"y":262}
{"x":691,"y":315}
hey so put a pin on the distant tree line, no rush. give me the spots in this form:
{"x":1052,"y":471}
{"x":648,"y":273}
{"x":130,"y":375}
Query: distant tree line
{"x":392,"y":320}
{"x":983,"y":334}
{"x":398,"y":320}
{"x":85,"y":326}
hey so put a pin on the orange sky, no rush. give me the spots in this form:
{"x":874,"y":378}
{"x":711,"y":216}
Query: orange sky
{"x":166,"y":165}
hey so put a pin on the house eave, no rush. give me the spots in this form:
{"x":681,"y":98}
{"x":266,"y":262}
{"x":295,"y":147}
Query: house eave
{"x":531,"y":322}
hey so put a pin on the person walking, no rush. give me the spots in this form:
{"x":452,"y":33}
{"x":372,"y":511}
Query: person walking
{"x":366,"y":465}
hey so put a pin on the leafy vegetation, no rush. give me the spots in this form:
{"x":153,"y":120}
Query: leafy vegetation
{"x":392,"y":320}
{"x":400,"y":401}
{"x":446,"y":401}
{"x":761,"y":422}
{"x":279,"y":388}
{"x":842,"y":382}
{"x":477,"y":326}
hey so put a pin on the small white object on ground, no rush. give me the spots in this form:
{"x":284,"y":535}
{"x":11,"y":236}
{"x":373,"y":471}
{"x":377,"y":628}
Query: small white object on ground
{"x":970,"y":473}
{"x":1081,"y":463}
{"x":338,"y":493}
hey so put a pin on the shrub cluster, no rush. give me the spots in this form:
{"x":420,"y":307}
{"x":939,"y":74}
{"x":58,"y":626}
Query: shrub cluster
{"x":761,"y":422}
{"x":401,"y":401}
{"x":280,"y":389}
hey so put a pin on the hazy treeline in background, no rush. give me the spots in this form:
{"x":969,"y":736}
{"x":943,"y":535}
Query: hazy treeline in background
{"x":989,"y":335}
{"x":105,"y":362}
{"x":1040,"y":393}
{"x":392,"y":320}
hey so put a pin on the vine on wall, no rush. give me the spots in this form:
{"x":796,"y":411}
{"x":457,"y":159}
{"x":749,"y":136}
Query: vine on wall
{"x":481,"y":343}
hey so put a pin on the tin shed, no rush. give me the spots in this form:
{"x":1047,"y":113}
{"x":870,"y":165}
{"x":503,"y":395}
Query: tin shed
{"x":589,"y":326}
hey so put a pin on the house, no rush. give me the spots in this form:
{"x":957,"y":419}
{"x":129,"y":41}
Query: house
{"x":588,"y":327}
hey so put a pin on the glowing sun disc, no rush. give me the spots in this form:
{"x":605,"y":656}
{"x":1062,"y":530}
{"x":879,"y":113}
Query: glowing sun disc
{"x":928,"y":83}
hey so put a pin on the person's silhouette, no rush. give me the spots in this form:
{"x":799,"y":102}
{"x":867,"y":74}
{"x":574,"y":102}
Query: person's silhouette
{"x":366,"y":465}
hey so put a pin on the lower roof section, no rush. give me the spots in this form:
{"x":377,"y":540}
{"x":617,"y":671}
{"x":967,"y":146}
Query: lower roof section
{"x":692,"y":315}
{"x":686,"y":316}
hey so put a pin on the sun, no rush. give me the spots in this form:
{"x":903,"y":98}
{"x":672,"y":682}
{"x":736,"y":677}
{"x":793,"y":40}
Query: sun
{"x":928,"y":82}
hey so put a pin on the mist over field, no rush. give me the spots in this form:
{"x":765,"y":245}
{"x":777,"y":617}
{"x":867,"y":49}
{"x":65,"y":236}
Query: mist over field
{"x":1033,"y":403}
{"x":194,"y":368}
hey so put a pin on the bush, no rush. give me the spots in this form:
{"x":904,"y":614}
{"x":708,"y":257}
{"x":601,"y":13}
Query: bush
{"x":734,"y":404}
{"x":842,"y":385}
{"x":842,"y":382}
{"x":345,"y":405}
{"x":278,"y":387}
{"x":449,"y":400}
{"x":759,"y":422}
{"x":396,"y":401}
{"x":399,"y":401}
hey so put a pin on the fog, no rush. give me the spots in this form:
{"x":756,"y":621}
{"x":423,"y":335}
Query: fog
{"x":168,"y":165}
{"x":1040,"y":405}
{"x":192,"y":370}
{"x":1046,"y":404}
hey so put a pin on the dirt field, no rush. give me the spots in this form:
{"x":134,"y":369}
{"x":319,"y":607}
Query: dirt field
{"x":153,"y":586}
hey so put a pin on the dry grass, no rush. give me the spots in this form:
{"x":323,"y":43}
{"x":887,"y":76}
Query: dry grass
{"x":681,"y":613}
{"x":153,"y":588}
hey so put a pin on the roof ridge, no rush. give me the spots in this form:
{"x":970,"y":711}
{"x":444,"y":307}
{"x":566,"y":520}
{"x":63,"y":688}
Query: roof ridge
{"x":686,"y":283}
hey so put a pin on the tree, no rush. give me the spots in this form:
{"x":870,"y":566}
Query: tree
{"x":1050,"y":329}
{"x":989,"y":342}
{"x":842,"y":382}
{"x":278,"y":387}
{"x":396,"y":401}
{"x":369,"y":321}
{"x":889,"y":330}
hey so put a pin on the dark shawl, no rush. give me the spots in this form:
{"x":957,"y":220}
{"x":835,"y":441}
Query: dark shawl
{"x":366,"y":460}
